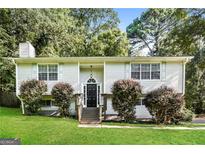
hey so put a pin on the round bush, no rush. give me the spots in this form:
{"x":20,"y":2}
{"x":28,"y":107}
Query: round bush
{"x":62,"y":94}
{"x":126,"y":93}
{"x":164,"y":104}
{"x":31,"y":93}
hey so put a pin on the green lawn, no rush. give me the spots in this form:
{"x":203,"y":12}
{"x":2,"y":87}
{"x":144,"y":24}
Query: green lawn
{"x":47,"y":130}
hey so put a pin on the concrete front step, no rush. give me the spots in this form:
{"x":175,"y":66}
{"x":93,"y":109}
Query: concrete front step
{"x":90,"y":122}
{"x":90,"y":116}
{"x":90,"y":119}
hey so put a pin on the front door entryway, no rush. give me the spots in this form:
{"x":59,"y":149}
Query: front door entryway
{"x":91,"y":95}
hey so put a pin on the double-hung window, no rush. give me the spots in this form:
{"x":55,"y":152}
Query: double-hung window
{"x":145,"y":71}
{"x":48,"y":72}
{"x":140,"y":102}
{"x":155,"y":71}
{"x":135,"y":71}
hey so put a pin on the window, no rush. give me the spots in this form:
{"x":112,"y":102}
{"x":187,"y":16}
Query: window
{"x":53,"y":72}
{"x":98,"y":94}
{"x":42,"y":72}
{"x":155,"y":74}
{"x":48,"y":72}
{"x":140,"y":102}
{"x":135,"y":71}
{"x":45,"y":103}
{"x":145,"y":71}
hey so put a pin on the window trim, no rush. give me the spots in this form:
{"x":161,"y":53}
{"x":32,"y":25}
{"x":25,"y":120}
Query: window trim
{"x":51,"y":103}
{"x":160,"y":68}
{"x":141,"y":104}
{"x":159,"y":71}
{"x":131,"y":71}
{"x":48,"y":71}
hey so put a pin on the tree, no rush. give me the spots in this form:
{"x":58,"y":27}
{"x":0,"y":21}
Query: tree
{"x":110,"y":43}
{"x":31,"y":92}
{"x":7,"y":75}
{"x":61,"y":32}
{"x":164,"y":104}
{"x":149,"y":30}
{"x":44,"y":28}
{"x":62,"y":94}
{"x":95,"y":20}
{"x":188,"y":37}
{"x":7,"y":67}
{"x":126,"y":93}
{"x":195,"y":83}
{"x":99,"y":33}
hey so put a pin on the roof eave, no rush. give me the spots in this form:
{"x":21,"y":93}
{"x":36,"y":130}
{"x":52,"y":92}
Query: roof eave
{"x":100,"y":59}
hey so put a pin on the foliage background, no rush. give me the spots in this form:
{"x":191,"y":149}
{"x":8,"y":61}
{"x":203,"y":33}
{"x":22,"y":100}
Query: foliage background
{"x":95,"y":32}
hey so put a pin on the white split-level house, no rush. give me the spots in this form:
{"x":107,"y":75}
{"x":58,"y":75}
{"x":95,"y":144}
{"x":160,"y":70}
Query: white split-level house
{"x":92,"y":77}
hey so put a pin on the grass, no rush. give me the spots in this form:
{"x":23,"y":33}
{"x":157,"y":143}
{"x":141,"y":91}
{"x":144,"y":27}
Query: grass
{"x":149,"y":124}
{"x":48,"y":130}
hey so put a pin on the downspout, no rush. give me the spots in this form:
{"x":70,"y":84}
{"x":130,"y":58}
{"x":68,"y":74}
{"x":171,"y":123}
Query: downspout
{"x":22,"y":104}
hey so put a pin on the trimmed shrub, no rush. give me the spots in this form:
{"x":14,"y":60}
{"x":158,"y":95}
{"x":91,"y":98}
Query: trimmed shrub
{"x":164,"y":104}
{"x":125,"y":96}
{"x":31,"y":93}
{"x":62,"y":94}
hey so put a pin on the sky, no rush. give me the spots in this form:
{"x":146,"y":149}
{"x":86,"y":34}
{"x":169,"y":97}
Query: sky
{"x":127,"y":15}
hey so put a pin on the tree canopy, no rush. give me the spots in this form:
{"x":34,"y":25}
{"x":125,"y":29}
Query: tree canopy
{"x":58,"y":32}
{"x":152,"y":27}
{"x":62,"y":32}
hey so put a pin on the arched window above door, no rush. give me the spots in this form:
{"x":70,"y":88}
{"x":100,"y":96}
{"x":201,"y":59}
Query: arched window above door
{"x":91,"y":80}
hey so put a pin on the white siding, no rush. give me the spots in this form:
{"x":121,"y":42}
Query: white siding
{"x":142,"y":112}
{"x":114,"y":72}
{"x":50,"y":85}
{"x":174,"y":77}
{"x":171,"y":76}
{"x":70,"y":75}
{"x":67,"y":73}
{"x":97,"y":75}
{"x":110,"y":109}
{"x":24,"y":72}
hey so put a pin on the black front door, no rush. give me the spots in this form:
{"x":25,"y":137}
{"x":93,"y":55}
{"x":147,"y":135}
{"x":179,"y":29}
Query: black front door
{"x":91,"y":95}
